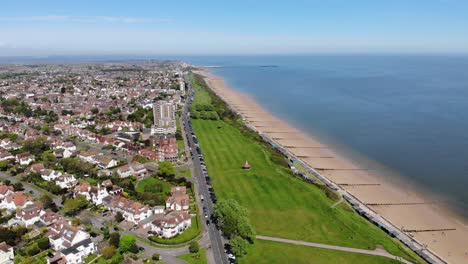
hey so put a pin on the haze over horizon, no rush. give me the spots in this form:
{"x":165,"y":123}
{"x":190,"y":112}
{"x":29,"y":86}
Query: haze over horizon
{"x":31,"y":28}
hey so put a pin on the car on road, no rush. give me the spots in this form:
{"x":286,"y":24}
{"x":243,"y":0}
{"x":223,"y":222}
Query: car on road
{"x":201,"y":197}
{"x":141,"y":248}
{"x":207,"y":222}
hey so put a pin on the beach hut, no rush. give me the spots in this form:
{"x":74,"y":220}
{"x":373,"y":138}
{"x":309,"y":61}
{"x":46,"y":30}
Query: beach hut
{"x":246,"y":166}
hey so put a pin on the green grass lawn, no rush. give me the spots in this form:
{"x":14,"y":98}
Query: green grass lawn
{"x":274,"y":252}
{"x":194,"y":258}
{"x":280,"y":204}
{"x":154,"y":185}
{"x":189,"y":234}
{"x":180,"y":142}
{"x":183,"y":172}
{"x":201,"y":95}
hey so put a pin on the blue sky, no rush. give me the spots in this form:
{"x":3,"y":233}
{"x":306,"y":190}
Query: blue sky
{"x":234,"y":27}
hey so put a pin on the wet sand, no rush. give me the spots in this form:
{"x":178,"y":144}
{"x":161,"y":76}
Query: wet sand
{"x":418,"y":216}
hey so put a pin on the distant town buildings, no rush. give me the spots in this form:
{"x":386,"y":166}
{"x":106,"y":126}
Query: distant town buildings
{"x":73,"y":129}
{"x":164,"y":113}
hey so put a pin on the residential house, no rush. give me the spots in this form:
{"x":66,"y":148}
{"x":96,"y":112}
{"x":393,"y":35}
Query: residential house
{"x":78,"y":252}
{"x":168,"y":149}
{"x":149,"y":153}
{"x":61,"y":153}
{"x":92,"y":194}
{"x":63,"y":235}
{"x":50,"y":175}
{"x":5,"y":155}
{"x":133,"y":169}
{"x":8,"y":144}
{"x":179,"y":199}
{"x":6,"y":254}
{"x":29,"y":214}
{"x":49,"y":218}
{"x":104,"y":162}
{"x":37,"y":168}
{"x":15,"y":200}
{"x":25,"y":158}
{"x":87,"y":156}
{"x":66,"y":181}
{"x":5,"y":190}
{"x":170,"y":224}
{"x":64,"y":149}
{"x":73,"y":243}
{"x":112,"y":188}
{"x":132,"y":211}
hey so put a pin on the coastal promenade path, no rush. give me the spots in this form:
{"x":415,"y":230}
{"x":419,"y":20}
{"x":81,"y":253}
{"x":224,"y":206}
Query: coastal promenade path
{"x":376,"y":252}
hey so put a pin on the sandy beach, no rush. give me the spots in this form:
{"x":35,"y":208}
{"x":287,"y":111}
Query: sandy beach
{"x":415,"y":214}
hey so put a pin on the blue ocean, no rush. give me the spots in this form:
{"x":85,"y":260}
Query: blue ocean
{"x":408,"y":113}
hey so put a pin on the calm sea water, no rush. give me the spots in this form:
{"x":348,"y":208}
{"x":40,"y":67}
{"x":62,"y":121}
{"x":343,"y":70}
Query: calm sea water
{"x":409,"y":113}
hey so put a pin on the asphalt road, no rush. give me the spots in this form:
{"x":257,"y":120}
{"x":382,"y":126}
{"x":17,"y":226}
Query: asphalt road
{"x":217,"y":242}
{"x":31,"y":188}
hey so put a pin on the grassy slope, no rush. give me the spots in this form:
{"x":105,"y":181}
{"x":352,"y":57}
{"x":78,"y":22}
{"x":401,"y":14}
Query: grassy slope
{"x":281,"y":205}
{"x":194,"y":258}
{"x":274,"y":252}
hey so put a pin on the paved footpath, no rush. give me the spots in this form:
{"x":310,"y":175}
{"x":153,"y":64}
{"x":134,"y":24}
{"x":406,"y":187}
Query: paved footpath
{"x":376,"y":252}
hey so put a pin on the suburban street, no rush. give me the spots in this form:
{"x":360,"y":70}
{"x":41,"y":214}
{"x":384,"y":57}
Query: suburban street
{"x":217,"y":241}
{"x":31,"y":188}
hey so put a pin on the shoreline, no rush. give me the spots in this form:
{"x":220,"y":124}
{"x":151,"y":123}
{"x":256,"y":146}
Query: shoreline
{"x":414,"y":219}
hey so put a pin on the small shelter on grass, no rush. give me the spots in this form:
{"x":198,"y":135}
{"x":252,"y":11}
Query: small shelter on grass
{"x":246,"y":166}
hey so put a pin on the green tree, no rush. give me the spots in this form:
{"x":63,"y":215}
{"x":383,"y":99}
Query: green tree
{"x":46,"y":129}
{"x":156,"y":256}
{"x":43,"y":243}
{"x":166,"y":169}
{"x":4,"y":165}
{"x":239,"y":246}
{"x":36,"y":146}
{"x":108,"y":252}
{"x":18,"y":186}
{"x":74,"y":205}
{"x":46,"y":201}
{"x":119,"y":217}
{"x":194,"y":247}
{"x":234,"y":219}
{"x":114,"y":239}
{"x":33,"y":249}
{"x":48,"y":158}
{"x":76,"y":221}
{"x":128,"y":244}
